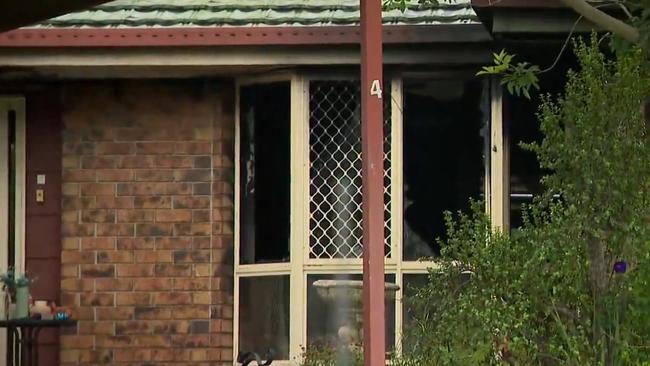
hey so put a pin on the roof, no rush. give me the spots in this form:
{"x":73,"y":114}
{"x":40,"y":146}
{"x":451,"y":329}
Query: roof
{"x":246,"y":13}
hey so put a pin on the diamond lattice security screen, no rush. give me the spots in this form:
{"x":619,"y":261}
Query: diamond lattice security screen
{"x":335,"y":170}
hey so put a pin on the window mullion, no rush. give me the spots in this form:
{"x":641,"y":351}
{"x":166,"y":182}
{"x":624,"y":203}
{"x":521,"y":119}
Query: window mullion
{"x":299,"y":211}
{"x":396,"y":154}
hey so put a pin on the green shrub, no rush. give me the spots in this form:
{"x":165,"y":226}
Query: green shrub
{"x":548,"y":293}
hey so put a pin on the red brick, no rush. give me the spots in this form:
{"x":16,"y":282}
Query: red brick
{"x":70,"y":299}
{"x":132,"y":355}
{"x":78,"y":148}
{"x":153,"y":313}
{"x":174,"y":216}
{"x":146,"y":148}
{"x":76,"y":284}
{"x":191,"y":312}
{"x":69,"y":270}
{"x":203,"y":162}
{"x":141,"y":189}
{"x":201,"y":298}
{"x":97,"y":270}
{"x":114,"y":202}
{"x":113,"y":284}
{"x":97,"y":244}
{"x":201,"y":242}
{"x":114,"y":313}
{"x":152,"y":202}
{"x":77,"y":257}
{"x":79,"y":175}
{"x":194,"y":148}
{"x":113,"y":341}
{"x":173,"y":243}
{"x":153,"y":256}
{"x":191,"y":341}
{"x":148,"y":341}
{"x":135,"y":243}
{"x":99,"y":162}
{"x":133,"y":298}
{"x":99,"y":216}
{"x":80,"y":230}
{"x":114,"y":148}
{"x":114,"y":175}
{"x":158,"y":229}
{"x":173,"y":270}
{"x":70,"y":216}
{"x":179,"y":189}
{"x":191,"y":256}
{"x":96,"y":356}
{"x":153,"y":284}
{"x":70,"y":189}
{"x":201,"y":189}
{"x":199,"y":229}
{"x":97,"y":299}
{"x":156,"y":175}
{"x":192,"y":284}
{"x":70,"y":244}
{"x":71,"y":162}
{"x":171,"y":327}
{"x":135,"y":216}
{"x":173,"y":161}
{"x":200,"y":216}
{"x":135,"y":270}
{"x":136,"y":161}
{"x":133,"y":327}
{"x":191,"y":202}
{"x":193,"y":175}
{"x":97,"y":189}
{"x":115,"y":229}
{"x":119,"y":256}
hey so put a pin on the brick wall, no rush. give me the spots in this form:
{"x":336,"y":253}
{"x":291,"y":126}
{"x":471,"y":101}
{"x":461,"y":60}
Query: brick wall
{"x":147,"y":222}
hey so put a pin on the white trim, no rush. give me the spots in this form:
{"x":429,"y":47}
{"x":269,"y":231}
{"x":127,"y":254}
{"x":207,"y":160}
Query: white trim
{"x":301,"y":265}
{"x":18,"y":105}
{"x":299,"y":237}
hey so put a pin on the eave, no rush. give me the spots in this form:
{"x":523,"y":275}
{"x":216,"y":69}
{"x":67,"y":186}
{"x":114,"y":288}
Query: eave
{"x":236,"y":36}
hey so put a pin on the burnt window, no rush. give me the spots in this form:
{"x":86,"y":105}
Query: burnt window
{"x":264,"y":173}
{"x":444,"y":165}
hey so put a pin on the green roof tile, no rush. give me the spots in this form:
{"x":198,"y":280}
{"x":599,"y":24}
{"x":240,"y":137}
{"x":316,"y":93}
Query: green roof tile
{"x":201,"y":13}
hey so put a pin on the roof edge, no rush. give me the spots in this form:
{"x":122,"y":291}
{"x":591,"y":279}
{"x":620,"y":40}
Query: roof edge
{"x":236,"y":36}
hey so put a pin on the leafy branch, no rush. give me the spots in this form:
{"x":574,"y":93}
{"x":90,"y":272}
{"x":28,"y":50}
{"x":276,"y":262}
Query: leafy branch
{"x":518,"y":77}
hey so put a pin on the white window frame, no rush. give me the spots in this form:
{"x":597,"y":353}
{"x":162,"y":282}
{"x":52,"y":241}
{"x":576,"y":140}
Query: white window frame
{"x":17,"y":104}
{"x":300,"y":264}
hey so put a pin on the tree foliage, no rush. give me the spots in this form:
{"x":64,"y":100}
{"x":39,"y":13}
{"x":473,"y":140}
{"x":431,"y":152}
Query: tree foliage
{"x":572,"y":287}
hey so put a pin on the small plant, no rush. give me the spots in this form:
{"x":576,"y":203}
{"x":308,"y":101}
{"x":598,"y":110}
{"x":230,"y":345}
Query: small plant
{"x":10,"y":283}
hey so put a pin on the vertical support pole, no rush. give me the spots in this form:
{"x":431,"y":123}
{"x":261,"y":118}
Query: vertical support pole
{"x":499,"y":165}
{"x":372,"y":137}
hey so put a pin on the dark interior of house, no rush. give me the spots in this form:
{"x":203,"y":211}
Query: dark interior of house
{"x":265,"y":172}
{"x":443,"y":157}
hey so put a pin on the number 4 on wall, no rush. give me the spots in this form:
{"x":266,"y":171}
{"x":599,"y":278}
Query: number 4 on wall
{"x":375,"y":88}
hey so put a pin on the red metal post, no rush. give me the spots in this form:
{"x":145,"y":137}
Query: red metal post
{"x":372,"y":137}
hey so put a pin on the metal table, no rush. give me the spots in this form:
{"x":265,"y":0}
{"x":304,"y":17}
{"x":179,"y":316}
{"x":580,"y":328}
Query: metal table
{"x":24,"y":333}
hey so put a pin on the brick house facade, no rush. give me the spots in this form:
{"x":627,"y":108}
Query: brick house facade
{"x":134,"y":112}
{"x":147,"y":222}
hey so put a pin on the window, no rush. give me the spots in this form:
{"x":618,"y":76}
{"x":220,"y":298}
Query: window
{"x":298,"y":198}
